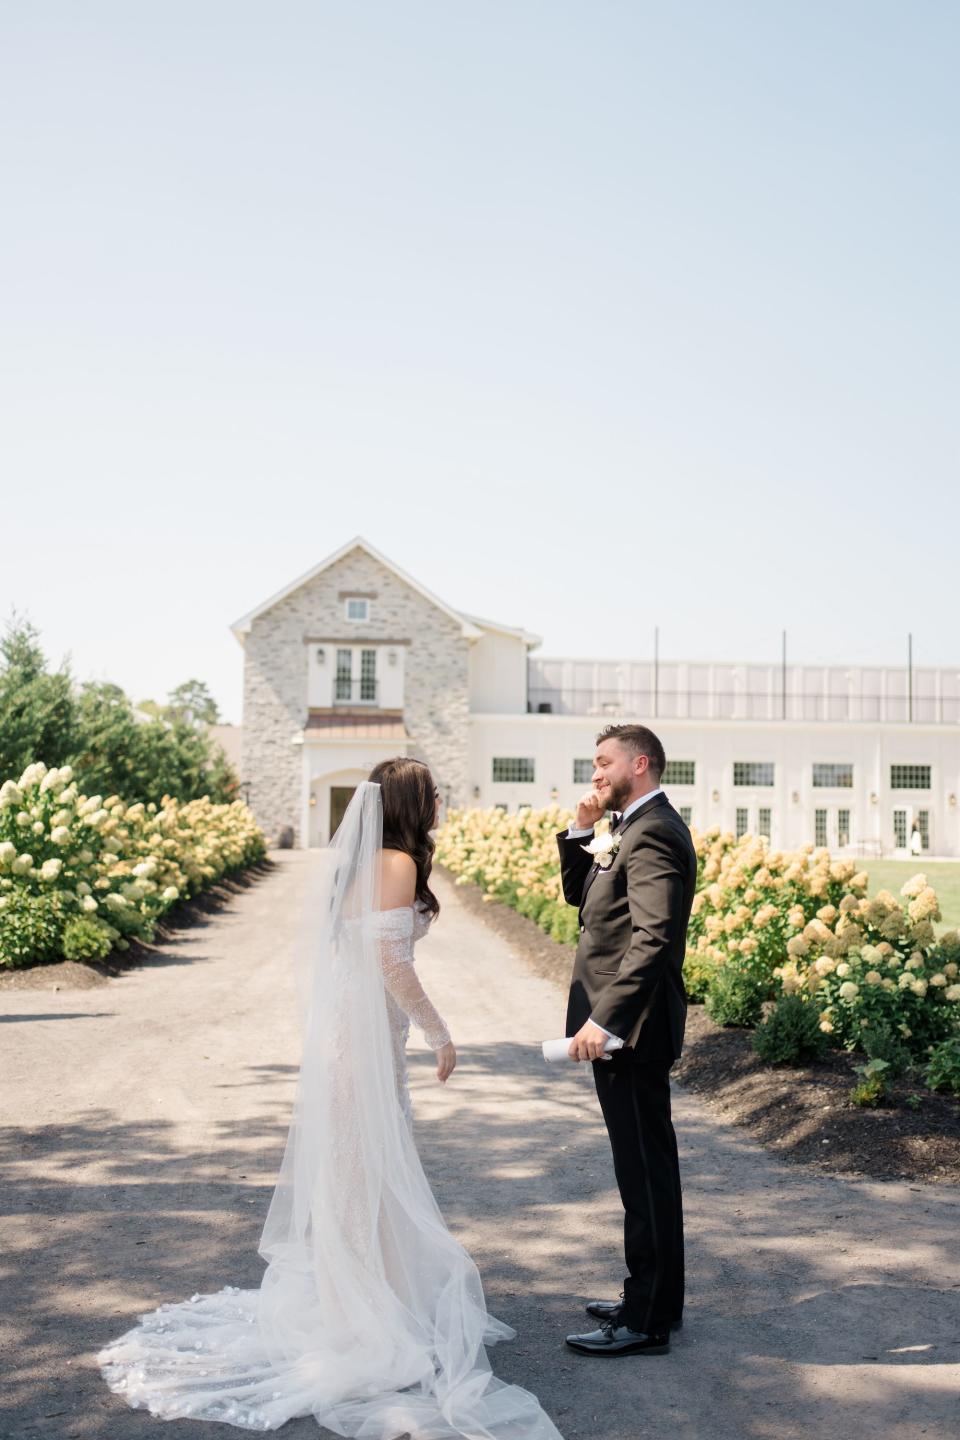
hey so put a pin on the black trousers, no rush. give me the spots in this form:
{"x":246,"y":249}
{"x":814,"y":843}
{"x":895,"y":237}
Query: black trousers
{"x":635,"y":1100}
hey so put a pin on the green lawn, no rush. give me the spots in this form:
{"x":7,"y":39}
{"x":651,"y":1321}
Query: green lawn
{"x":944,"y":877}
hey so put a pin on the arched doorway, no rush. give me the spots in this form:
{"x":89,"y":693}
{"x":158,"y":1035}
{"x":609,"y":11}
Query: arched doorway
{"x":330,"y":795}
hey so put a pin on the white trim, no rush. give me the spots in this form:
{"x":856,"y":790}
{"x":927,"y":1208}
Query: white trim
{"x":319,"y":740}
{"x":527,"y":636}
{"x":242,"y":626}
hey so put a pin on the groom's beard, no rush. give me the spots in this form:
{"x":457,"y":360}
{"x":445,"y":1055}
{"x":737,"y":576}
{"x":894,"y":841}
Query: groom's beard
{"x":618,"y":796}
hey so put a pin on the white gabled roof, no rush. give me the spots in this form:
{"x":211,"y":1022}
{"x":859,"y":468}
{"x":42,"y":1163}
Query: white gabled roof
{"x":527,"y":636}
{"x":242,"y":626}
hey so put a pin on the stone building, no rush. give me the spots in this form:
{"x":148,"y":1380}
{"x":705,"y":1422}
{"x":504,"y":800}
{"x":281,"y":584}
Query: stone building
{"x":354,"y":662}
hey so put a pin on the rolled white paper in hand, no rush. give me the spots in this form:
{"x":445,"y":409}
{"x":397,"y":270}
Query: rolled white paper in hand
{"x":556,"y":1051}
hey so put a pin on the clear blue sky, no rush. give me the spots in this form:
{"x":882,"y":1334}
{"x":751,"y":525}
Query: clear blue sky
{"x":593,"y":316}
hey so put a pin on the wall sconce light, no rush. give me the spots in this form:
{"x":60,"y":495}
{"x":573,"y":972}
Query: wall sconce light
{"x":321,"y":656}
{"x":795,"y":797}
{"x":873,"y":797}
{"x":391,"y":657}
{"x":476,"y":792}
{"x":313,"y":797}
{"x":951,"y":801}
{"x":554,"y":794}
{"x":715,"y":796}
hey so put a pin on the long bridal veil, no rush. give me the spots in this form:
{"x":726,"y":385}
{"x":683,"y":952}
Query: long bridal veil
{"x":370,"y":1316}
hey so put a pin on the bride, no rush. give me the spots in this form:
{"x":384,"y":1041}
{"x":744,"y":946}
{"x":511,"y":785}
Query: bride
{"x":370,"y":1316}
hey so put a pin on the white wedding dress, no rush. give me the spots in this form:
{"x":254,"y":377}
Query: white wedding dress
{"x":398,"y":931}
{"x":370,"y":1316}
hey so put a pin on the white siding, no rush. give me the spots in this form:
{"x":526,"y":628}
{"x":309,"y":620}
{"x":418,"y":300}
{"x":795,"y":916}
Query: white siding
{"x":554,"y":742}
{"x":498,"y":674}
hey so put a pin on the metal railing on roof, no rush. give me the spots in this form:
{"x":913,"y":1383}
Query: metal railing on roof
{"x":744,"y":705}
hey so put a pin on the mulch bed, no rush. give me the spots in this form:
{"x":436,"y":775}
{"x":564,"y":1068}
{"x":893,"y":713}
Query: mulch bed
{"x":802,"y":1113}
{"x":184,"y":915}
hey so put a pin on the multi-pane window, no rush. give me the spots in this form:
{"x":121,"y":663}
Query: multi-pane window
{"x":346,"y":686}
{"x":900,"y":829}
{"x":753,"y":772}
{"x":513,"y":769}
{"x":833,"y":777}
{"x":819,"y":827}
{"x":764,"y":816}
{"x":344,"y":674}
{"x":582,"y":772}
{"x":743,"y":822}
{"x":357,"y":608}
{"x":909,"y":777}
{"x":368,"y":674}
{"x":686,"y":814}
{"x":923,"y":820}
{"x":679,"y":772}
{"x":843,"y":827}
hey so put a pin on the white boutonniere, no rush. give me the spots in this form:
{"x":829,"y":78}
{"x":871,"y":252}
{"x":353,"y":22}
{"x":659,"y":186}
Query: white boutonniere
{"x":603,"y":848}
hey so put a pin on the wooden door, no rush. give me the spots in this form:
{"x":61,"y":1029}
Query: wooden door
{"x":340,"y":797}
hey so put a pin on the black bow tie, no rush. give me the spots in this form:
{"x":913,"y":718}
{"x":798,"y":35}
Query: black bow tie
{"x":615,"y":824}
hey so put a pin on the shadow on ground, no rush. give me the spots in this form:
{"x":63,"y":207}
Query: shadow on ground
{"x":106,"y":1220}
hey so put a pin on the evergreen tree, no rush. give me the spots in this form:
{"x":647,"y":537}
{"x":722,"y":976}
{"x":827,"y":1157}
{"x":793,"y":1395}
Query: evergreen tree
{"x":138,"y":754}
{"x":36,"y":707}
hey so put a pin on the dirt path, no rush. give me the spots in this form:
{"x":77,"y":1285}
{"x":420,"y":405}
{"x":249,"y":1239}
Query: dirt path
{"x":143,"y":1125}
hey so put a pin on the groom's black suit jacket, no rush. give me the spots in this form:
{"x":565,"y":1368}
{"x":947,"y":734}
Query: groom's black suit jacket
{"x":628,"y":970}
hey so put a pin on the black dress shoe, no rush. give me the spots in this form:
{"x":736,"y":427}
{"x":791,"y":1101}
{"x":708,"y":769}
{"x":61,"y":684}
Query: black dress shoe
{"x":609,"y":1312}
{"x":619,"y":1340}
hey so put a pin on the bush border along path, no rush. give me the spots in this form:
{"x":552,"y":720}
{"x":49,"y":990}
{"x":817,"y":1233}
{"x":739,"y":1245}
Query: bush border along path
{"x":802,"y":1112}
{"x":83,"y":876}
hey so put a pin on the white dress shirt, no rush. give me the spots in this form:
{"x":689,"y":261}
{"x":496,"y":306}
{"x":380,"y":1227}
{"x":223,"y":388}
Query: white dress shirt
{"x":573,"y":834}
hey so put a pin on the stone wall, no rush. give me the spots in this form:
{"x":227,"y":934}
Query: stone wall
{"x":436,"y":698}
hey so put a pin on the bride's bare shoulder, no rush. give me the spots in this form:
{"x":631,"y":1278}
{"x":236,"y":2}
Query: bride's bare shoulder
{"x":398,"y":879}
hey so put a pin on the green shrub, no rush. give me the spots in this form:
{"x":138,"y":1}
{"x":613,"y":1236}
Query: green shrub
{"x":735,"y":996}
{"x":698,"y":971}
{"x":791,"y":1033}
{"x":942,"y":1071}
{"x":531,"y":904}
{"x":871,"y":1089}
{"x":564,"y":924}
{"x":881,"y":1043}
{"x":85,"y":939}
{"x":30,"y":927}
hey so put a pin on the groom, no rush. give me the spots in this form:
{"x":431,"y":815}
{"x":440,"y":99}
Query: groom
{"x":634,"y":901}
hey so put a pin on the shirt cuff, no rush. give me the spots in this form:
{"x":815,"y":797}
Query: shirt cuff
{"x":573,"y":834}
{"x":619,"y":1043}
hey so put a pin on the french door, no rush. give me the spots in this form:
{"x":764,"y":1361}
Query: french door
{"x":831,"y":826}
{"x":753,"y":820}
{"x":907,"y":823}
{"x":356,"y":676}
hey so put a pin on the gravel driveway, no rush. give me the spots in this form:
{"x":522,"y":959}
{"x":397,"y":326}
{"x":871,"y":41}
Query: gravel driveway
{"x":143,"y":1123}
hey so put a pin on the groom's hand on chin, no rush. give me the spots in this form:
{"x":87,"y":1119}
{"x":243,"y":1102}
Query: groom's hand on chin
{"x":588,"y":1043}
{"x":592,"y":807}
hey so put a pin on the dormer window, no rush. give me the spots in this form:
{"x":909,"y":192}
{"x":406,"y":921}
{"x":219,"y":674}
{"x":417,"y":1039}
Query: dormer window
{"x":357,"y":607}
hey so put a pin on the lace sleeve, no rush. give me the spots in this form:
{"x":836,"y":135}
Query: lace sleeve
{"x":395,"y":939}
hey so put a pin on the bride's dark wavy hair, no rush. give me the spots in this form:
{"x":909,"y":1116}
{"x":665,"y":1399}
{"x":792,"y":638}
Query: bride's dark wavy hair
{"x":408,"y":795}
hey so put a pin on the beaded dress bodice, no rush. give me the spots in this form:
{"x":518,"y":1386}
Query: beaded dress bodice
{"x":398,"y":931}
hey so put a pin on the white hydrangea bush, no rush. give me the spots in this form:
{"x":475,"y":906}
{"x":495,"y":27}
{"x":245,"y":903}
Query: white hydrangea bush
{"x":102,"y":870}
